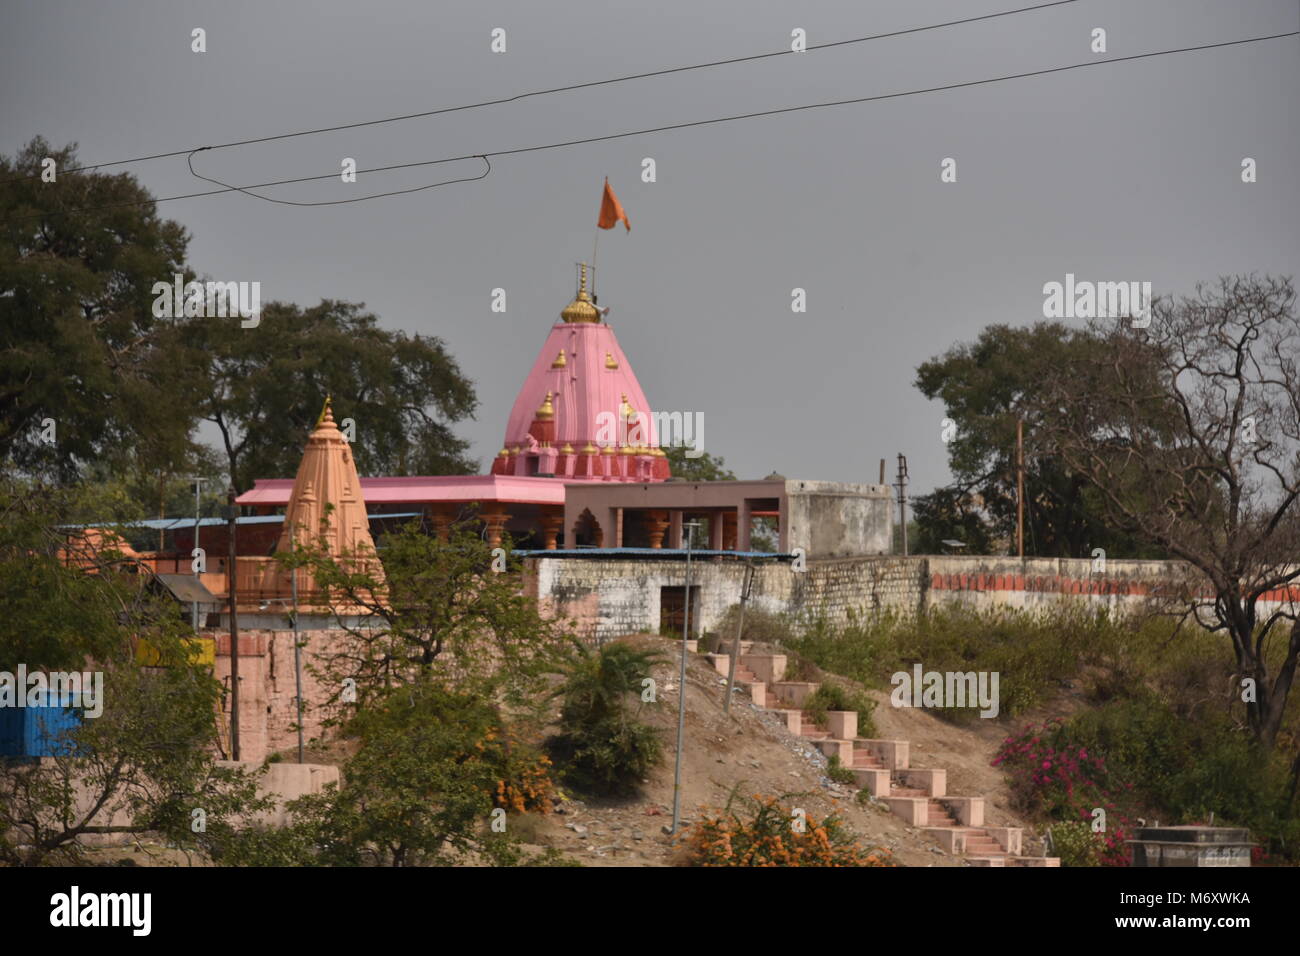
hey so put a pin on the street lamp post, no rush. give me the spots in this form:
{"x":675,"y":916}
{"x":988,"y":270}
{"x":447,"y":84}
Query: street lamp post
{"x":232,"y":514}
{"x":690,"y":527}
{"x":198,"y":486}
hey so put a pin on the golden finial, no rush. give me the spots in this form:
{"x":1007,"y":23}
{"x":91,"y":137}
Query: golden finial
{"x":326,"y":413}
{"x":607,"y":450}
{"x":581,"y":308}
{"x":610,"y":361}
{"x":589,"y":449}
{"x":504,"y":453}
{"x":560,"y":360}
{"x":567,"y":449}
{"x":546,"y":410}
{"x":626,"y":410}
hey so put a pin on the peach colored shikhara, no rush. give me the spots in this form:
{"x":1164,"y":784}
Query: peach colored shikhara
{"x":327,"y":476}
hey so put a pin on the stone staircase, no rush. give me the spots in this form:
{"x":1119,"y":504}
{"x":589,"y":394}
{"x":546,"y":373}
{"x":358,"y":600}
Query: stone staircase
{"x":881,"y":767}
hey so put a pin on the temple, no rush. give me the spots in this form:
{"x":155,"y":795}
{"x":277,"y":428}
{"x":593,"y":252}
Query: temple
{"x":580,"y":417}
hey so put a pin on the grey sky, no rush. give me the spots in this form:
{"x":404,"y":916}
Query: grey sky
{"x":1120,"y":172}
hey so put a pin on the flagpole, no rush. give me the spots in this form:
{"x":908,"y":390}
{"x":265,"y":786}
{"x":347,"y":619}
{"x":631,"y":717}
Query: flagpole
{"x":594,"y":246}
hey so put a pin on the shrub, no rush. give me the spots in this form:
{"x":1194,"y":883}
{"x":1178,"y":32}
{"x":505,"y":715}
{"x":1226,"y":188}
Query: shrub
{"x":839,"y":773}
{"x":1076,"y":844}
{"x":601,"y":744}
{"x":1052,"y":779}
{"x":831,"y":695}
{"x":760,"y":831}
{"x":525,"y":785}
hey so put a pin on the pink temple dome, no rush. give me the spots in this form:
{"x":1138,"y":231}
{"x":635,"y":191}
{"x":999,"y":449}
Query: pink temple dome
{"x":566,"y":418}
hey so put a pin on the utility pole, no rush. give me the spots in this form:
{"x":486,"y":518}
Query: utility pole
{"x":297,"y":649}
{"x":232,"y":513}
{"x":1020,"y":487}
{"x":902,"y":497}
{"x":689,"y":527}
{"x":198,"y":485}
{"x":745,"y":590}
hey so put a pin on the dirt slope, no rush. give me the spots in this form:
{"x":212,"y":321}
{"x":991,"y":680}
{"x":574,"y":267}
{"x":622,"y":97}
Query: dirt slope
{"x":751,"y":748}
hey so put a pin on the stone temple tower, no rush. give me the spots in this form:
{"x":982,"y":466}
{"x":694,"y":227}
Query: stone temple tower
{"x":581,"y":413}
{"x":327,"y":476}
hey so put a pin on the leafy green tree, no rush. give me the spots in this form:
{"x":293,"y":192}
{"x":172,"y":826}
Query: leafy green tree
{"x":418,"y":792}
{"x":1189,"y":430}
{"x":146,"y":763}
{"x":601,"y":743}
{"x":422,"y":789}
{"x":436,"y":610}
{"x":706,"y":467}
{"x":266,"y":386}
{"x":985,"y":387}
{"x":79,"y":345}
{"x":56,"y":615}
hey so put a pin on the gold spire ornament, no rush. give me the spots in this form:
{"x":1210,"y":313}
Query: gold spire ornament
{"x":611,"y":363}
{"x":325,"y":412}
{"x":581,"y":309}
{"x":546,"y":410}
{"x":560,"y":360}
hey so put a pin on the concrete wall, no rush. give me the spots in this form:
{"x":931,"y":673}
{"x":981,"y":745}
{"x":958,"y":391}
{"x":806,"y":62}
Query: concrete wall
{"x":267,"y":688}
{"x":608,"y":598}
{"x":830,"y":520}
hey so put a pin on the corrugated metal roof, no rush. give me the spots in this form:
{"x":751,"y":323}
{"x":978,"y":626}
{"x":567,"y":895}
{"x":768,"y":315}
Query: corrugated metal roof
{"x":679,"y":553}
{"x":171,"y":524}
{"x":187,"y":589}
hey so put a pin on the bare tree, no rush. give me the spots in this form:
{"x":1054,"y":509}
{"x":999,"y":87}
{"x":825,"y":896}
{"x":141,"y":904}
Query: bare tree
{"x":1190,"y":430}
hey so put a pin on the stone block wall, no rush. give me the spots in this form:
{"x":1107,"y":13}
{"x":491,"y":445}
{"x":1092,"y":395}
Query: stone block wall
{"x":267,"y":687}
{"x":611,"y":597}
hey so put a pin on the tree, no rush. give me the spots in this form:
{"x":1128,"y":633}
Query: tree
{"x":80,"y":348}
{"x":267,"y":385}
{"x":145,"y":764}
{"x":436,"y":610}
{"x":418,"y":791}
{"x":1189,"y":430}
{"x":985,"y":387}
{"x":706,"y":467}
{"x":604,"y":746}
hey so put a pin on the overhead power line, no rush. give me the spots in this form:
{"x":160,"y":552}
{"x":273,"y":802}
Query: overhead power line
{"x":336,"y":202}
{"x":556,"y":89}
{"x":696,"y":123}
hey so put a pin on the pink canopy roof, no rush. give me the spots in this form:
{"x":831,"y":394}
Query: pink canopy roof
{"x":274,"y":492}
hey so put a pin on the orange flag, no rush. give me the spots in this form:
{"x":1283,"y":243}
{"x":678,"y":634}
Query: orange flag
{"x":611,"y":210}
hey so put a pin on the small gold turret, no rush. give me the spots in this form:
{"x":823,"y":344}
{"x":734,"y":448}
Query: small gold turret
{"x":581,"y":309}
{"x":546,"y":410}
{"x":560,"y":360}
{"x":611,"y":363}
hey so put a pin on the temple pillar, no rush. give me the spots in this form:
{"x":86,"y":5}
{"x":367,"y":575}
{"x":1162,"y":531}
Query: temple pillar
{"x":715,"y":531}
{"x":656,"y":523}
{"x":494,"y":519}
{"x":675,"y":530}
{"x":440,"y":520}
{"x":552,"y":521}
{"x":729,"y":523}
